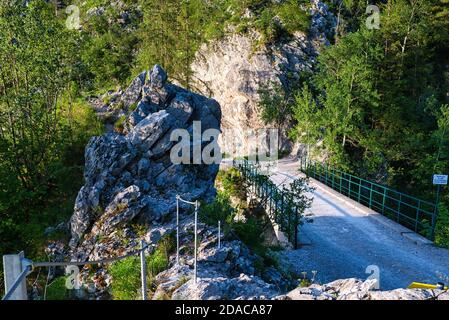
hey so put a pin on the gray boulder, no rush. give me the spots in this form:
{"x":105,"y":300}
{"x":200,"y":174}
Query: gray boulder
{"x":134,"y":91}
{"x":158,"y":77}
{"x":123,"y":208}
{"x":150,"y":129}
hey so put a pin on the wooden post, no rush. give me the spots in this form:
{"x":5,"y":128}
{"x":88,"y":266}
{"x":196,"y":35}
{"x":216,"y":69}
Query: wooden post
{"x":143,"y":271}
{"x":12,"y":268}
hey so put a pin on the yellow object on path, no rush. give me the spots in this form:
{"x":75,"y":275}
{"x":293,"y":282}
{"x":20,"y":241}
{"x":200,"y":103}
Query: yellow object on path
{"x":419,"y":285}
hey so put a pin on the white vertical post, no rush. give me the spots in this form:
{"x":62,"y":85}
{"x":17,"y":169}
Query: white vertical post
{"x":177,"y":229}
{"x":12,"y":268}
{"x":196,"y":239}
{"x":219,"y":234}
{"x":143,"y":270}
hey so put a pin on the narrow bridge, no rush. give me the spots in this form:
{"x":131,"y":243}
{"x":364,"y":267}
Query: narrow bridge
{"x":345,"y":238}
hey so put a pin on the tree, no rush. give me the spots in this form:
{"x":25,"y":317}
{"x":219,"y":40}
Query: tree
{"x":275,"y":106}
{"x":32,"y":74}
{"x":171,"y":34}
{"x":108,"y":46}
{"x":346,"y":80}
{"x":44,"y":125}
{"x":305,"y":114}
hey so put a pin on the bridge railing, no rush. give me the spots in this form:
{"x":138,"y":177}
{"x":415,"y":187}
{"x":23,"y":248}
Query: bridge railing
{"x":411,"y":212}
{"x":280,"y":205}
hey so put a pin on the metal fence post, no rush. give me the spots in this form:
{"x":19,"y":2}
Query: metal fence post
{"x":296,"y":227}
{"x":289,"y":217}
{"x":12,"y":268}
{"x":326,"y":168}
{"x":196,"y":239}
{"x":177,"y":230}
{"x":360,"y":191}
{"x":143,"y":270}
{"x":219,"y":234}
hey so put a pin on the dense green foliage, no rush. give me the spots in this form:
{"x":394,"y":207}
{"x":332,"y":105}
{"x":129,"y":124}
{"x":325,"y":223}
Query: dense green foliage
{"x":219,"y":210}
{"x":442,"y":227}
{"x":43,"y":124}
{"x":109,"y":42}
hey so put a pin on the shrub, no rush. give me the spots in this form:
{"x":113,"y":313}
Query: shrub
{"x":231,"y":182}
{"x":442,"y":227}
{"x":219,"y":210}
{"x":293,"y":17}
{"x":250,"y":233}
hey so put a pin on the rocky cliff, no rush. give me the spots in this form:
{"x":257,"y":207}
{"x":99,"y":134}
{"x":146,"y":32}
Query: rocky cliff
{"x":233,"y":69}
{"x":129,"y":175}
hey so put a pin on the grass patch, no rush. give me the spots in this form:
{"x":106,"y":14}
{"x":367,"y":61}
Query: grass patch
{"x":126,"y":273}
{"x":57,"y":290}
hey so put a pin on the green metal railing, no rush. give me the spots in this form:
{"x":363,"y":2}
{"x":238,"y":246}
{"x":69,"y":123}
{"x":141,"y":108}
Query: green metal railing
{"x":280,"y":205}
{"x":411,"y":212}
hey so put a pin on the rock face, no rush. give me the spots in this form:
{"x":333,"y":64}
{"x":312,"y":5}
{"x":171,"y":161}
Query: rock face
{"x":354,"y":289}
{"x":129,"y":176}
{"x":231,"y":72}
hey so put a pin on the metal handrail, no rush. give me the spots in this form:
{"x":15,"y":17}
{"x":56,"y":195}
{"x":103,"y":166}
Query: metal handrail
{"x":32,"y":265}
{"x":280,"y":207}
{"x":412,"y":212}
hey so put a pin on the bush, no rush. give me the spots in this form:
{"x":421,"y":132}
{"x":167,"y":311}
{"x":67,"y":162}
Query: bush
{"x":119,"y":125}
{"x":250,"y":233}
{"x":231,"y":182}
{"x":293,"y":17}
{"x":442,"y":227}
{"x":219,"y":210}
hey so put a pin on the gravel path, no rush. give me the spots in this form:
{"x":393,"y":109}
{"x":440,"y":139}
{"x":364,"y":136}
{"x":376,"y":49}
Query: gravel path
{"x":343,"y":241}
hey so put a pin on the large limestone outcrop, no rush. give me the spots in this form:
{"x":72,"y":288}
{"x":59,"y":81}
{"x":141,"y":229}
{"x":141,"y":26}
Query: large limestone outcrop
{"x":129,"y":176}
{"x":230,"y":71}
